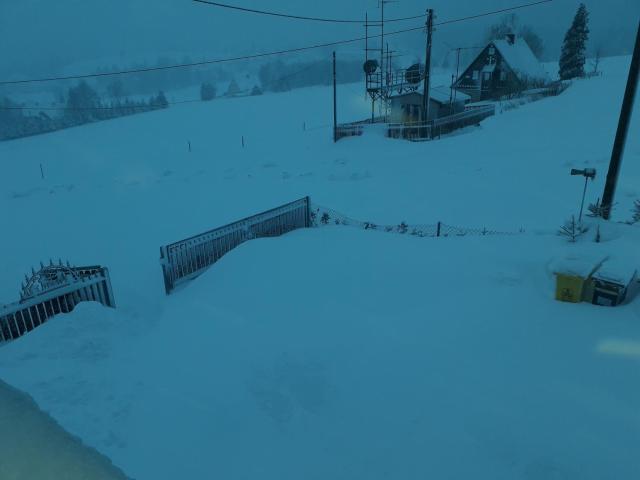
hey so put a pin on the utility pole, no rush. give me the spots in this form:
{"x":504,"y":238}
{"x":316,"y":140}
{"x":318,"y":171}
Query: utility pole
{"x":427,"y":66}
{"x":335,"y":102}
{"x":382,"y":69}
{"x":455,"y":92}
{"x":453,"y":80}
{"x":623,"y":130}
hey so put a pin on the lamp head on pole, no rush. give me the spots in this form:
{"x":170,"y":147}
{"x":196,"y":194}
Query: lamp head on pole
{"x":587,"y":172}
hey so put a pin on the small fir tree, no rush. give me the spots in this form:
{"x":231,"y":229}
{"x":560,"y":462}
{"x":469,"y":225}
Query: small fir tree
{"x":636,"y":212}
{"x":572,"y":229}
{"x":207,"y":92}
{"x":572,"y":57}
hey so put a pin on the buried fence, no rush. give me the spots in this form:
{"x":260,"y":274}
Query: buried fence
{"x":185,"y":260}
{"x":435,"y":128}
{"x":323,"y":216}
{"x":52,"y":290}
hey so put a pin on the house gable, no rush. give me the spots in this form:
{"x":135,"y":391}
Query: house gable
{"x":489,"y":57}
{"x":503,"y":67}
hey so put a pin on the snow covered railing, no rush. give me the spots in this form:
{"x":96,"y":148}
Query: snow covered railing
{"x":343,"y":131}
{"x":410,"y":131}
{"x":187,"y":259}
{"x":435,"y":128}
{"x":52,"y":290}
{"x":467,"y":117}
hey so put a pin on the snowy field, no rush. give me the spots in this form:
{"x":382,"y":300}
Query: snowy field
{"x":334,"y":352}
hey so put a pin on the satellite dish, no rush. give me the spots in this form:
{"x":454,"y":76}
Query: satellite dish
{"x":413,"y":74}
{"x":370,"y":66}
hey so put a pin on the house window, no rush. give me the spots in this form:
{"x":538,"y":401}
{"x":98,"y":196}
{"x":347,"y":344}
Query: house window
{"x":492,"y":51}
{"x":486,"y":76}
{"x":476,"y":74}
{"x":503,"y":76}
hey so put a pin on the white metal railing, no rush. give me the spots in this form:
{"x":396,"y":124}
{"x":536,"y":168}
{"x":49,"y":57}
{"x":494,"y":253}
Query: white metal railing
{"x":59,"y":290}
{"x":187,"y":259}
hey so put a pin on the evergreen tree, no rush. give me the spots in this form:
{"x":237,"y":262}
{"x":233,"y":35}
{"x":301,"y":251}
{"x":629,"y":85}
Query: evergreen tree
{"x":207,"y":92}
{"x":161,"y":101}
{"x":116,"y":89}
{"x":233,"y":89}
{"x":572,"y":57}
{"x":82,"y":103}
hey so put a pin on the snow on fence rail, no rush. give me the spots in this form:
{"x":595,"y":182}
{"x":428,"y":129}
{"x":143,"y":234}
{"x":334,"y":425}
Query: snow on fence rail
{"x":187,"y":259}
{"x":52,"y":290}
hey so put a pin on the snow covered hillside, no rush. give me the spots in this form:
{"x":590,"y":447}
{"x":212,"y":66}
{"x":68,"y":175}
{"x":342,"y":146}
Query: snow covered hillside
{"x":332,"y":352}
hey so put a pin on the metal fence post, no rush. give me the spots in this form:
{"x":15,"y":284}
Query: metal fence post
{"x":438,"y":230}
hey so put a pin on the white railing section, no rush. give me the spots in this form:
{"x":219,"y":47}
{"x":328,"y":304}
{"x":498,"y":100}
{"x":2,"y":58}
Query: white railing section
{"x":52,"y":290}
{"x":187,"y":259}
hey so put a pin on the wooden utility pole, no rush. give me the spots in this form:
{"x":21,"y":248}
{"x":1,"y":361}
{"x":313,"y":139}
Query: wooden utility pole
{"x":335,"y":102}
{"x":427,"y":67}
{"x":623,"y":130}
{"x":455,"y":92}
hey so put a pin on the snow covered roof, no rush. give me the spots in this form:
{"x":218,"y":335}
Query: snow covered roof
{"x":440,"y":94}
{"x":521,"y":59}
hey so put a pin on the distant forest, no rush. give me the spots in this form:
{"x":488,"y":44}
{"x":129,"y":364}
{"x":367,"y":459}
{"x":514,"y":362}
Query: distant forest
{"x":83,"y":105}
{"x":108,"y":97}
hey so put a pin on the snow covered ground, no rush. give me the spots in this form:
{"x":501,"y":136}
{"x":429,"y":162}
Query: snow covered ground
{"x":333,"y":352}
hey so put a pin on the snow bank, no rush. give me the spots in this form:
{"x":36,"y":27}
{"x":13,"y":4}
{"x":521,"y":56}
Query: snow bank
{"x":340,"y":353}
{"x":34,"y":446}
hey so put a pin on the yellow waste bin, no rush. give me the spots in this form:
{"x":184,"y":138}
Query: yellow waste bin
{"x":569,"y":288}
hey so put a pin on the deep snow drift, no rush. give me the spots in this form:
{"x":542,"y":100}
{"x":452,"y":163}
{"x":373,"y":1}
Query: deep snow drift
{"x":333,"y":352}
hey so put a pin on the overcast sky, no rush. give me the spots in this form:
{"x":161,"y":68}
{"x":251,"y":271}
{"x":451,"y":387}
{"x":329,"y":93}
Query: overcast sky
{"x":47,"y":36}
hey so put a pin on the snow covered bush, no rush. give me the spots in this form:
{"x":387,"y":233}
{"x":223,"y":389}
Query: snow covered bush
{"x":595,"y":209}
{"x":572,"y":229}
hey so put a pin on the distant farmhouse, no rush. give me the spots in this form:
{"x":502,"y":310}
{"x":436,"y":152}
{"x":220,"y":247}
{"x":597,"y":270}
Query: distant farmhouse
{"x":502,"y":68}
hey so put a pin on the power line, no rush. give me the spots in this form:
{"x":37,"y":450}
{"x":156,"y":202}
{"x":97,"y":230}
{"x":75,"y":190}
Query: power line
{"x":144,"y":107}
{"x":495,"y":12}
{"x":257,"y":55}
{"x":297,"y":17}
{"x":198,"y":64}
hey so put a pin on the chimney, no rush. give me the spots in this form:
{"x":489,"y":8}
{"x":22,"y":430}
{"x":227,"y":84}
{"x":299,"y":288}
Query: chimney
{"x":510,"y":38}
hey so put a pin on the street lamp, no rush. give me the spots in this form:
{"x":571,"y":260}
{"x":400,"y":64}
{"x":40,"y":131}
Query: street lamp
{"x":587,"y":173}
